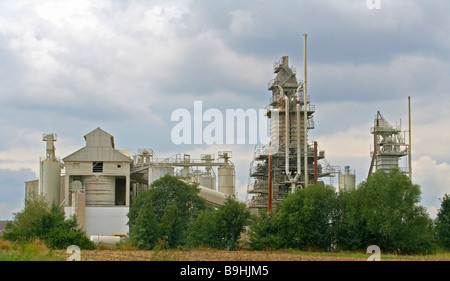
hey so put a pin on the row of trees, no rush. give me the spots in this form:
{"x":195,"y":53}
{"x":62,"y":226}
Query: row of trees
{"x":384,"y":210}
{"x":172,"y":214}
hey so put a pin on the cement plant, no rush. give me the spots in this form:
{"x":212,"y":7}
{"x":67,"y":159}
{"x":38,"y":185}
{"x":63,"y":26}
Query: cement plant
{"x":98,"y":182}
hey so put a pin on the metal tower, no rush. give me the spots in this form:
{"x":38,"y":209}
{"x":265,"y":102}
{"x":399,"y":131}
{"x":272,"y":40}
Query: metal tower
{"x":389,"y":145}
{"x":278,"y":169}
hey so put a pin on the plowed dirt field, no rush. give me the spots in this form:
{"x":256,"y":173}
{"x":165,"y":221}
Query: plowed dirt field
{"x":212,"y":255}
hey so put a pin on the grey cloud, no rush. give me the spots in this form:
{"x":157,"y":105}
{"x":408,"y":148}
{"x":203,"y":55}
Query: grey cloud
{"x":125,"y":65}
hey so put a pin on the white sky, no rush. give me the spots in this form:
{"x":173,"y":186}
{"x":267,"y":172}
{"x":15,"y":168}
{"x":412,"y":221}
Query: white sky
{"x":68,"y":67}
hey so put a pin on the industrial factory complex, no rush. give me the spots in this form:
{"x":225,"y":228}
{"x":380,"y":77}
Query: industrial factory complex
{"x":98,"y":182}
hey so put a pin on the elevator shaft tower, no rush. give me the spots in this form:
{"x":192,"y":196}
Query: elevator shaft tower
{"x":278,"y":169}
{"x":389,"y":145}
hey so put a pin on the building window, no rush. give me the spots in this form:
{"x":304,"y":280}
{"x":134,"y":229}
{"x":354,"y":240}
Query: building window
{"x":97,"y":167}
{"x":120,"y":191}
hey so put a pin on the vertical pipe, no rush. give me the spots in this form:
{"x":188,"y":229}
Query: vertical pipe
{"x":409,"y":148}
{"x":287,"y":137}
{"x":305,"y":139}
{"x":315,"y":163}
{"x":269,"y":199}
{"x":41,"y":177}
{"x":299,"y":164}
{"x":127,"y":191}
{"x":375,"y":148}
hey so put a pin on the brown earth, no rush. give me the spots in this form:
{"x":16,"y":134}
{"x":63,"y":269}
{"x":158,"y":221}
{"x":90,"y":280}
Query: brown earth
{"x":215,"y":255}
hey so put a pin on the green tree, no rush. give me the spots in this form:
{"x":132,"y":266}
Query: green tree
{"x":203,"y":229}
{"x":21,"y":229}
{"x":164,"y":211}
{"x":264,"y":232}
{"x":348,"y":227}
{"x":385,"y":211}
{"x":172,"y":225}
{"x":232,"y":217}
{"x":221,"y":228}
{"x":305,"y":217}
{"x":144,"y":228}
{"x":443,"y":223}
{"x":47,"y":222}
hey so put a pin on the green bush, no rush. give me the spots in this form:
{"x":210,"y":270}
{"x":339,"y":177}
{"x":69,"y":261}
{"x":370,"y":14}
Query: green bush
{"x":144,"y":227}
{"x":264,"y":232}
{"x":164,"y":212}
{"x":202,"y":230}
{"x":46,"y":222}
{"x":60,"y":238}
{"x":442,"y":223}
{"x":221,"y":228}
{"x":385,"y":211}
{"x":302,"y":220}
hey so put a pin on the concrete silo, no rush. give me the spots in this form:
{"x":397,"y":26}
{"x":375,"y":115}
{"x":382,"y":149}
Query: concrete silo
{"x":50,"y":172}
{"x":100,"y":190}
{"x":226,"y":175}
{"x":347,"y":181}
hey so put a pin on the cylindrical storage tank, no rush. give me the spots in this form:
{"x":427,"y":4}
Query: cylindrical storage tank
{"x":157,"y":172}
{"x":208,"y":182}
{"x":100,"y":190}
{"x":50,"y":180}
{"x":226,"y":180}
{"x":347,"y":181}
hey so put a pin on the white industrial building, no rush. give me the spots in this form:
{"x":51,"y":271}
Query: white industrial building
{"x":97,"y":183}
{"x":104,"y":174}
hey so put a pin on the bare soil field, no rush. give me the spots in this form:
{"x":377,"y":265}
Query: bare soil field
{"x":213,"y":255}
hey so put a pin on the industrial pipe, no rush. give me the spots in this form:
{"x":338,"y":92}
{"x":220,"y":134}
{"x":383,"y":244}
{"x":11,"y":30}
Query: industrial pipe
{"x":409,"y":148}
{"x":287,"y":137}
{"x":299,"y":164}
{"x":315,"y":163}
{"x":269,"y":199}
{"x":305,"y":117}
{"x":286,"y":130}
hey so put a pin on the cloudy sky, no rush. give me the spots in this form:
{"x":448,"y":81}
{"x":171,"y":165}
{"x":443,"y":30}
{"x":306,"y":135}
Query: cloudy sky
{"x":68,"y":67}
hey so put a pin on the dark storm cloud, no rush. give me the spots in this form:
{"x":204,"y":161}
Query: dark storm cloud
{"x":344,"y":31}
{"x":354,"y":53}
